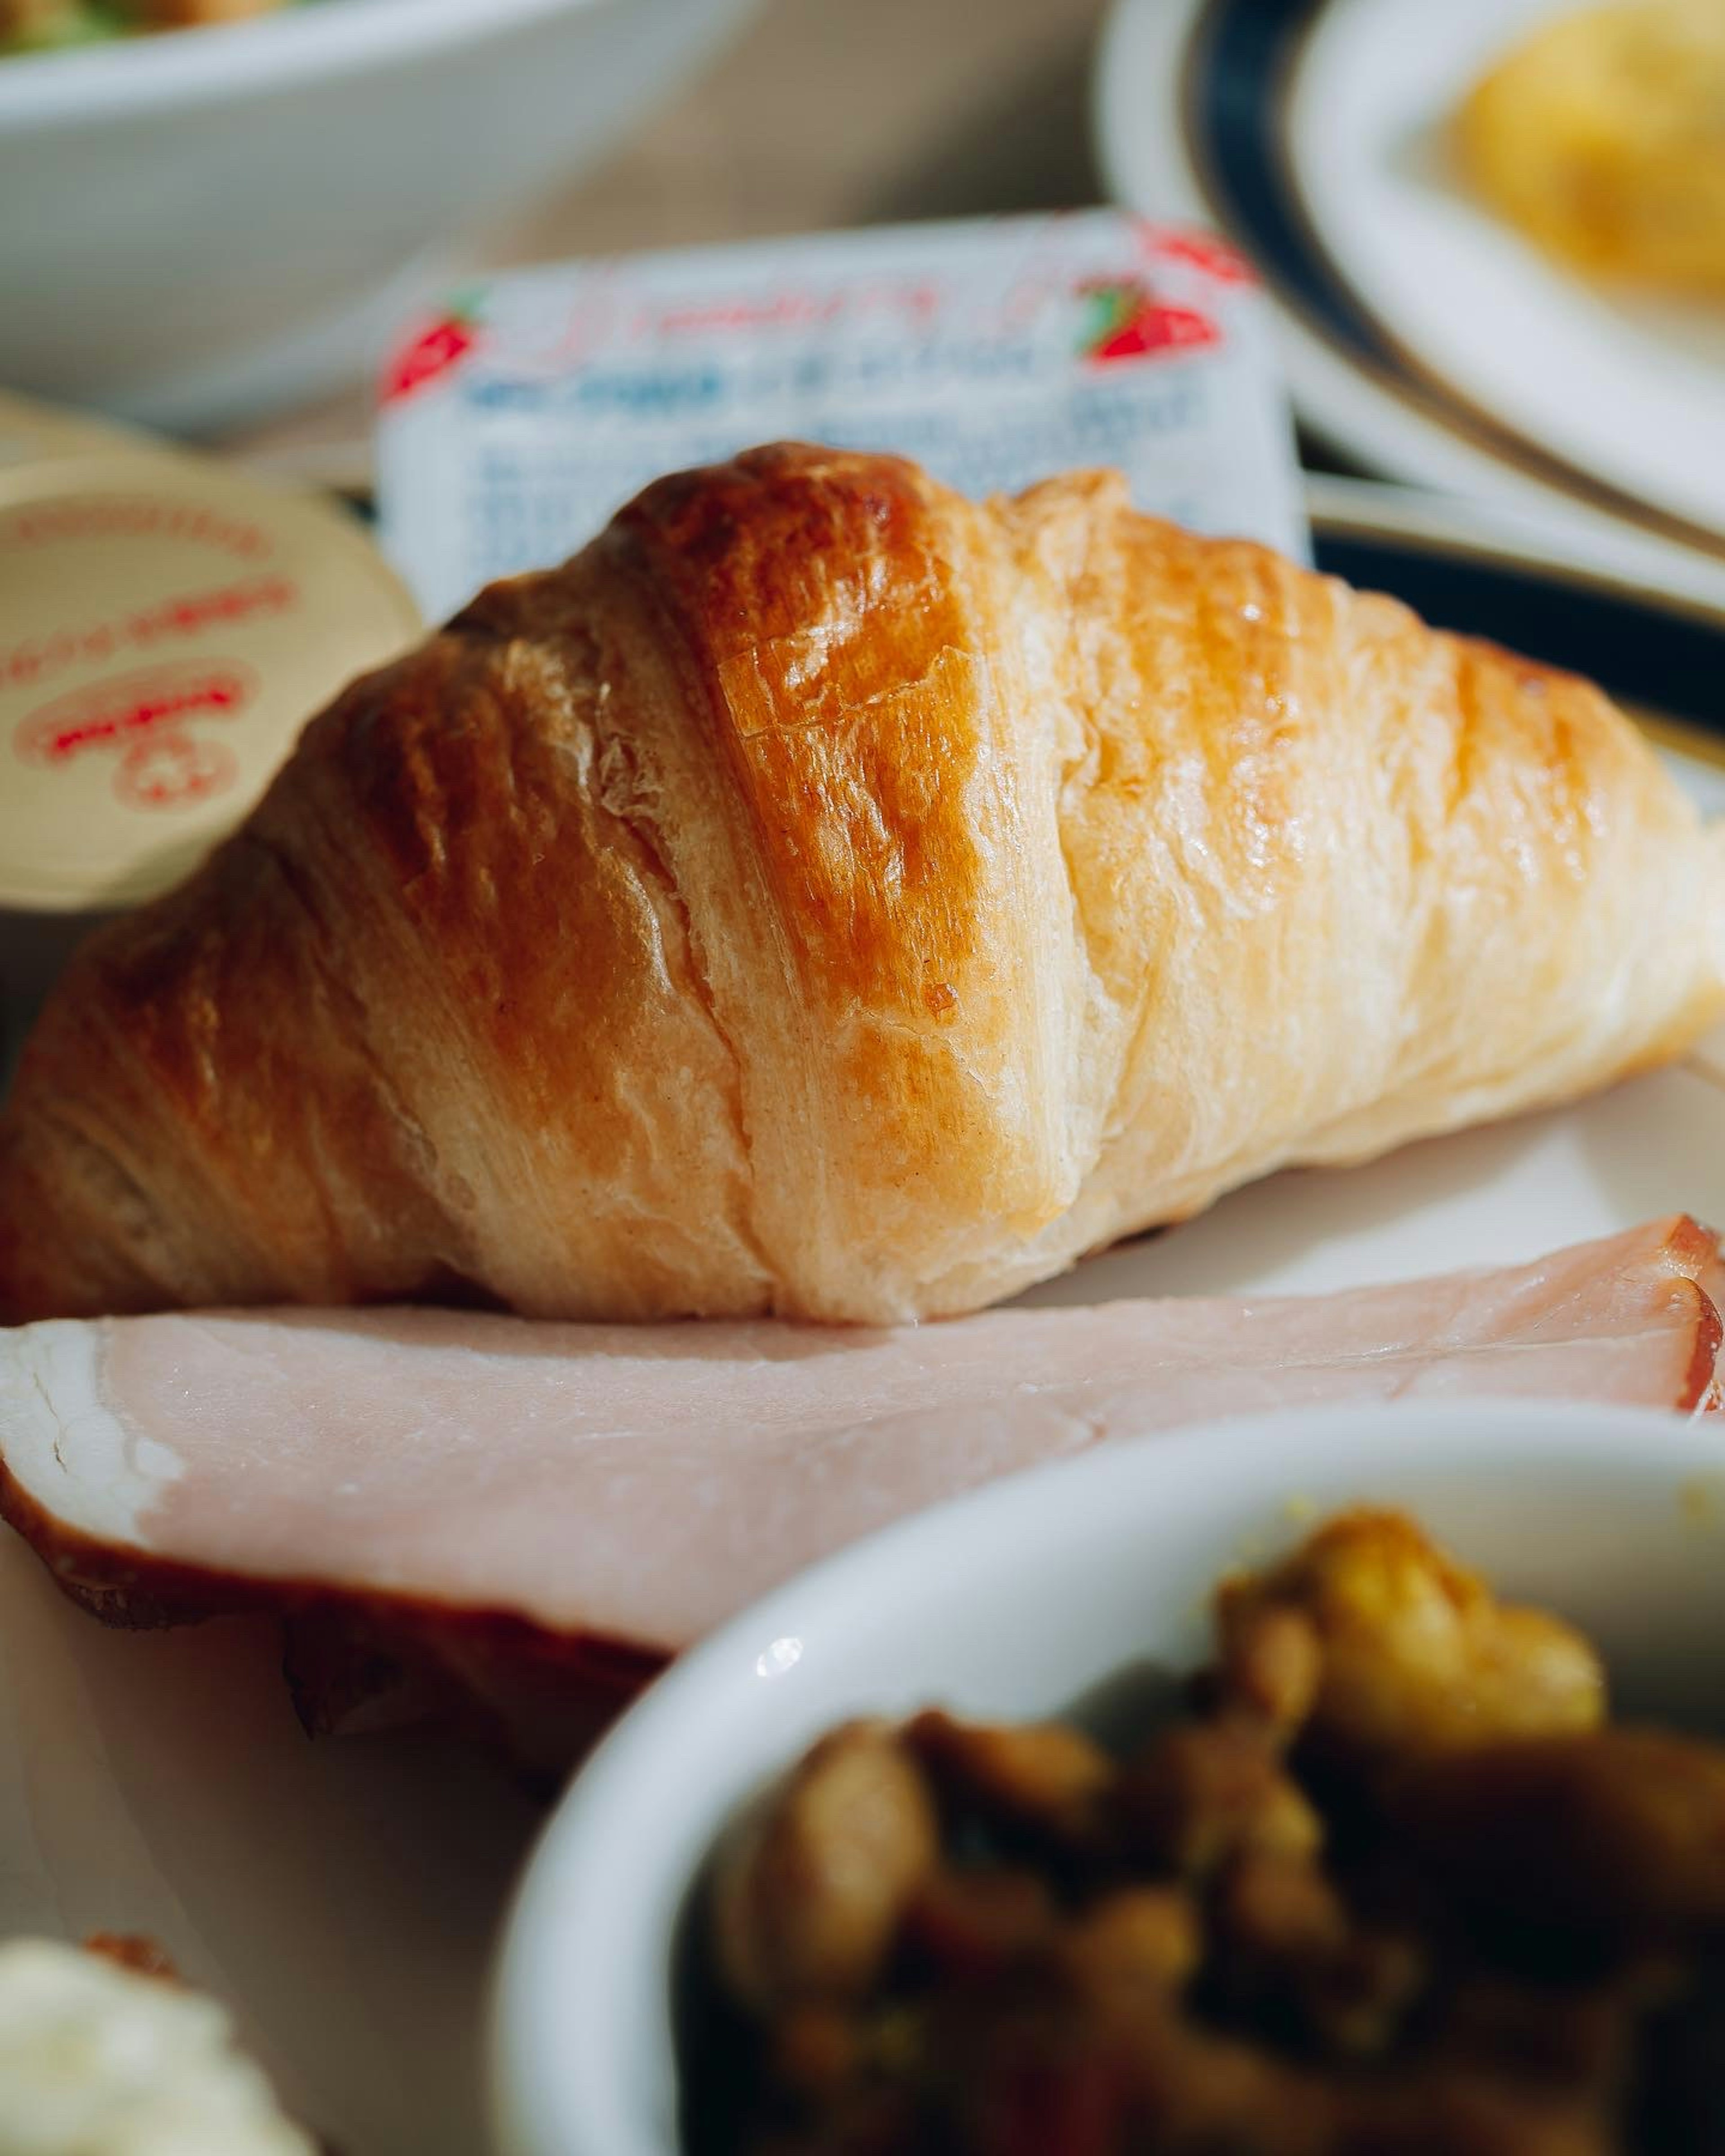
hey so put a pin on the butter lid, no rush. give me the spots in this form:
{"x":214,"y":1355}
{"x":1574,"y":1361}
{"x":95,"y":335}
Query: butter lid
{"x":30,"y":432}
{"x":167,"y":627}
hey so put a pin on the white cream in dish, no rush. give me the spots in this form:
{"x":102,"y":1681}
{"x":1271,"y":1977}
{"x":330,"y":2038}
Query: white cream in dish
{"x":97,"y":2060}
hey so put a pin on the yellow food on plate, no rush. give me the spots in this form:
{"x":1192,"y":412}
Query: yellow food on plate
{"x":1602,"y":136}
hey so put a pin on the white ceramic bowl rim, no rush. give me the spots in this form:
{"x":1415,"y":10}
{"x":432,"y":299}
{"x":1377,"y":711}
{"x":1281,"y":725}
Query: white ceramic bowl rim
{"x":590,"y":1848}
{"x":135,"y":77}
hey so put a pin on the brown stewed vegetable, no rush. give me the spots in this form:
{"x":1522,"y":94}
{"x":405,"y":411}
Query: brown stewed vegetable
{"x":1391,"y":1885}
{"x":810,"y":1904}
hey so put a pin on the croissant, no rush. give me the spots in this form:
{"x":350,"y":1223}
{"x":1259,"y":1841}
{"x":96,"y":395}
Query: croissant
{"x":824,"y":896}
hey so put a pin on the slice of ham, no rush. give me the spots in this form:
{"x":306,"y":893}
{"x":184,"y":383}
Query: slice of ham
{"x":578,"y":1502}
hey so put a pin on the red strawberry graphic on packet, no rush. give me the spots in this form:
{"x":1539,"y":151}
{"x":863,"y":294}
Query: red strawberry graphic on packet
{"x":1128,"y":321}
{"x":431,"y":351}
{"x":1203,"y":251}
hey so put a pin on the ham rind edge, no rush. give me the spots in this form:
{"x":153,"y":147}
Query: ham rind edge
{"x":354,"y":1473}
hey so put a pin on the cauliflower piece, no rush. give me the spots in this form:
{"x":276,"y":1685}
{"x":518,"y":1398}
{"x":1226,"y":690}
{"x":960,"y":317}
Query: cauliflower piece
{"x":99,"y":2059}
{"x":1414,"y":1654}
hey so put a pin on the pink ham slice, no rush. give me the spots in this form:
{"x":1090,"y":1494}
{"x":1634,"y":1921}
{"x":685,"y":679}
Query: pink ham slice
{"x":578,"y":1502}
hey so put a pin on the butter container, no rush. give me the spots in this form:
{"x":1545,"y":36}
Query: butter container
{"x":996,"y":352}
{"x":166,"y":626}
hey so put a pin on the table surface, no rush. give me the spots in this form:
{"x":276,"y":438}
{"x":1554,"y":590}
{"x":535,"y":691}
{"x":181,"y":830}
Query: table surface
{"x":824,"y":113}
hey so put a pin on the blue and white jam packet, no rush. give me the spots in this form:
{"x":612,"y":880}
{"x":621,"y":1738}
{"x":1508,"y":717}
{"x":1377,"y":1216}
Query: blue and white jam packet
{"x":995,"y":353}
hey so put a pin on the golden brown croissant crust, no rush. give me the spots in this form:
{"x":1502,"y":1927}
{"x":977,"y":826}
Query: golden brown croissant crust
{"x":825,"y":895}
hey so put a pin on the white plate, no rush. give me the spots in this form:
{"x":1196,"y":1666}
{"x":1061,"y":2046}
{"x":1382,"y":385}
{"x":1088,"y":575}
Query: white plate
{"x":342,"y":1895}
{"x":1632,"y":391}
{"x":1422,"y":337}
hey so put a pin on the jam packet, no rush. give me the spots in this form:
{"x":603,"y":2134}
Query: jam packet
{"x":995,"y":352}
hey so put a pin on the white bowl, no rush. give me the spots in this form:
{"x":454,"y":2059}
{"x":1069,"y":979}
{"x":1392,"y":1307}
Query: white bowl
{"x":196,"y":227}
{"x":1013,"y":1601}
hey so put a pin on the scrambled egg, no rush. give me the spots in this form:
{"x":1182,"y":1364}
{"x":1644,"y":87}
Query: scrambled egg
{"x":1603,"y":138}
{"x":96,"y":2060}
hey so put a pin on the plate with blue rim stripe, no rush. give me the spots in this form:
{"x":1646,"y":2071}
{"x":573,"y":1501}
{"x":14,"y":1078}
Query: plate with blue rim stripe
{"x":1424,"y":340}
